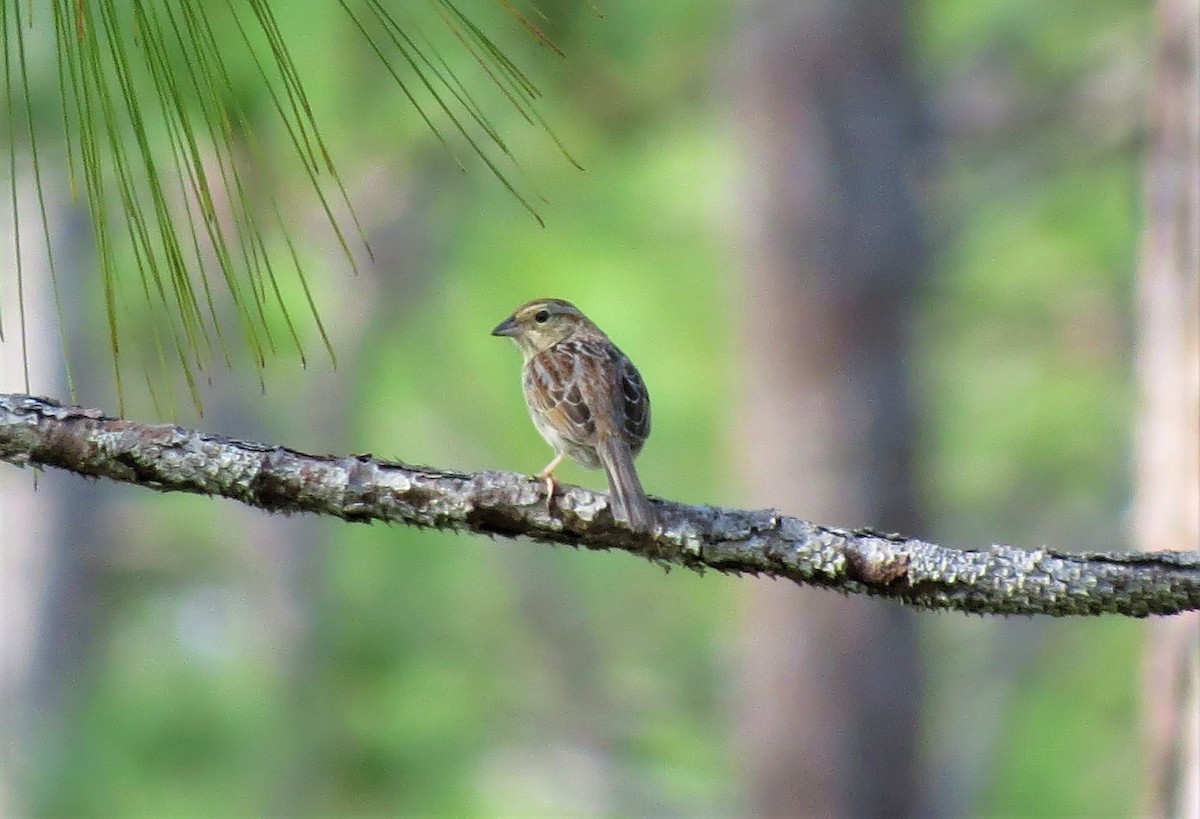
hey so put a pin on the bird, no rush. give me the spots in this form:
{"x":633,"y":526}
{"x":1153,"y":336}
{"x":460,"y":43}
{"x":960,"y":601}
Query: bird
{"x":586,"y":399}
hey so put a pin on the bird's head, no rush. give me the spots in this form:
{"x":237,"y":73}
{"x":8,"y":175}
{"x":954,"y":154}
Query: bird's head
{"x":542,"y":323}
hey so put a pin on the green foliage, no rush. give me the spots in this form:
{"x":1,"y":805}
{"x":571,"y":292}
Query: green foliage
{"x":1061,"y":751}
{"x":174,"y":122}
{"x":1028,"y":393}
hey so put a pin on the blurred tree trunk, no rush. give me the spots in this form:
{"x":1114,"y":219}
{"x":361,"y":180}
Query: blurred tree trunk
{"x":834,"y":129}
{"x":33,"y":551}
{"x":1167,"y":503}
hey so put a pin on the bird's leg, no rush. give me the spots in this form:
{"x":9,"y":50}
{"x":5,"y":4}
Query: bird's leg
{"x":547,"y":475}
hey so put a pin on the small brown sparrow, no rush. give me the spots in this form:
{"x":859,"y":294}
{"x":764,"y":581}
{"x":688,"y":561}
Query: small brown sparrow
{"x":585,"y":398}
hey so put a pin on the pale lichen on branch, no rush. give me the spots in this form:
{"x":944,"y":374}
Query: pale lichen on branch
{"x":361,"y":488}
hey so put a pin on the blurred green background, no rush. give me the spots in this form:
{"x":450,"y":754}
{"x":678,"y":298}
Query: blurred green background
{"x":219,"y":662}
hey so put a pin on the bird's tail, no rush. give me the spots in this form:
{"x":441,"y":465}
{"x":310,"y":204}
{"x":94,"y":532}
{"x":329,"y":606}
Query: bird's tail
{"x":629,"y":501}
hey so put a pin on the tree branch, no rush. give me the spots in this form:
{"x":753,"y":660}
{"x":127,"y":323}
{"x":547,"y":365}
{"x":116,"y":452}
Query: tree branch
{"x":361,"y":488}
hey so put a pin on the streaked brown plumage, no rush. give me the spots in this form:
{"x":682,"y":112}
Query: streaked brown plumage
{"x":585,"y":398}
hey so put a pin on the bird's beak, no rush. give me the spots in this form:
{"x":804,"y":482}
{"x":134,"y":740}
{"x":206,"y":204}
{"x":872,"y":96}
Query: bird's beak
{"x":508,"y":327}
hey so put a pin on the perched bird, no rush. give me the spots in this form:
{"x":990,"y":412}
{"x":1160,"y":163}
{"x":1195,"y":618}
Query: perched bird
{"x":585,"y":398}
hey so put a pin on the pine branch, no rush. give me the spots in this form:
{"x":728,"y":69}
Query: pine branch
{"x":361,"y":488}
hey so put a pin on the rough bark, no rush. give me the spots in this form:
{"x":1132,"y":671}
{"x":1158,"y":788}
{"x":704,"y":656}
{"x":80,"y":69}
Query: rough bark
{"x":361,"y":488}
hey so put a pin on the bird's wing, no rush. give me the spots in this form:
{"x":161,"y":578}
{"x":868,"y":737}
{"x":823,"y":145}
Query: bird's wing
{"x":558,"y":385}
{"x":634,"y":400}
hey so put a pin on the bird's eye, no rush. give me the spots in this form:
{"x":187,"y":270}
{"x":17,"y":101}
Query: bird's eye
{"x":542,"y":316}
